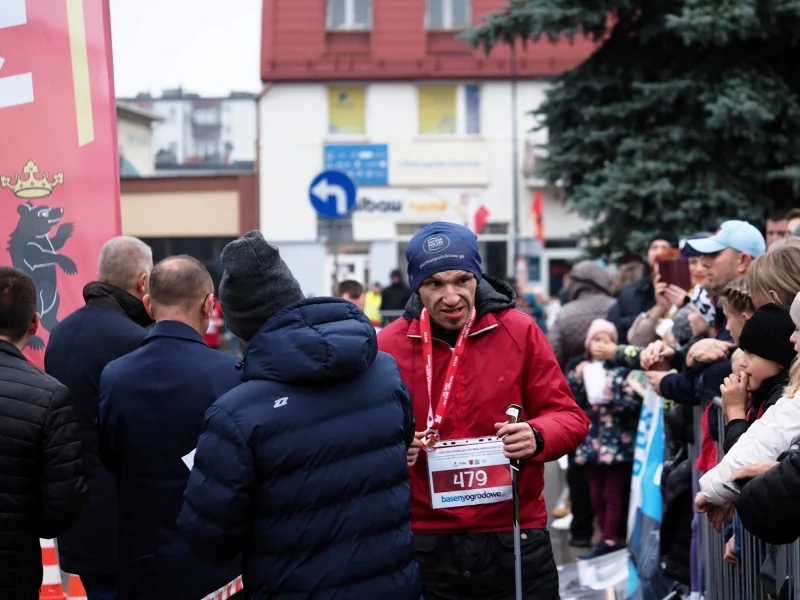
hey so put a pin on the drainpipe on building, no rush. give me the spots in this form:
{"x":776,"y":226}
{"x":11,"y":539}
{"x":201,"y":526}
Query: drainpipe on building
{"x":267,"y":87}
{"x":514,"y":157}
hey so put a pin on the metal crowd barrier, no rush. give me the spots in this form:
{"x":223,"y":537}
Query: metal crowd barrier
{"x":723,"y":581}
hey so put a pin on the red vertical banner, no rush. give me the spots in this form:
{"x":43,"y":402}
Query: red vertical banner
{"x":537,"y":215}
{"x":59,"y":166}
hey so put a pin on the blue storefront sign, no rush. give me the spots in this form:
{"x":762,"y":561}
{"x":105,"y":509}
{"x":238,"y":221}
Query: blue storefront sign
{"x":366,"y":164}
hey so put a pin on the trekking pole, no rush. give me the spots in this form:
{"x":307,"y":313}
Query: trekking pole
{"x":513,"y":413}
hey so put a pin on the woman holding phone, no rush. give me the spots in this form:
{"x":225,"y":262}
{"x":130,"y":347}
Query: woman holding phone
{"x":678,"y":283}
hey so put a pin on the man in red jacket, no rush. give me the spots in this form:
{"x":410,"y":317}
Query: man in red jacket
{"x":466,"y":354}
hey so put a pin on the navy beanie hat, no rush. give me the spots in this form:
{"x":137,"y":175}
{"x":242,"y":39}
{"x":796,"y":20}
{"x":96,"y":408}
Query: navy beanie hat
{"x":442,"y":247}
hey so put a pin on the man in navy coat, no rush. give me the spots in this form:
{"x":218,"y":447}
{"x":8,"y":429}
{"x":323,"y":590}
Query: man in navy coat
{"x":152,"y":404}
{"x":110,"y":325}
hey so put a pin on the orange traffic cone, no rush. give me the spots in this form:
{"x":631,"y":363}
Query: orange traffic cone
{"x":75,"y":589}
{"x":51,"y":577}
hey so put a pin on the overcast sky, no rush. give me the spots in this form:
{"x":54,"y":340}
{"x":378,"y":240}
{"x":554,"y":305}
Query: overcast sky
{"x":207,"y":46}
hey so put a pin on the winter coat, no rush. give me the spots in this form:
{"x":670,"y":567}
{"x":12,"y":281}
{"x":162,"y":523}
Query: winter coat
{"x":506,"y":360}
{"x":152,"y":405}
{"x":612,"y":432}
{"x":766,"y":396}
{"x":768,"y":506}
{"x":302,"y":467}
{"x":42,"y":480}
{"x":111,"y":325}
{"x":627,"y":357}
{"x":676,"y":524}
{"x":395,"y":296}
{"x":766,"y":439}
{"x":588,"y":291}
{"x":634,"y":299}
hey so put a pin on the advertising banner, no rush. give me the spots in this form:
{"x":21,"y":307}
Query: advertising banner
{"x":59,"y":166}
{"x":645,"y":581}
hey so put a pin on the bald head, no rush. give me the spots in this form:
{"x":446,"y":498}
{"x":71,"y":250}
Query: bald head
{"x":125,"y":262}
{"x":180,"y":282}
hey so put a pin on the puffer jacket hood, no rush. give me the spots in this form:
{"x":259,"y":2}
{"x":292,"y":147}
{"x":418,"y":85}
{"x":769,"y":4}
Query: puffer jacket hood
{"x":492,"y":296}
{"x":316,"y":339}
{"x":587,"y":277}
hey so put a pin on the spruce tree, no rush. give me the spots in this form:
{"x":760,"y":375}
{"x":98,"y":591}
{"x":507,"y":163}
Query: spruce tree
{"x":686,"y":114}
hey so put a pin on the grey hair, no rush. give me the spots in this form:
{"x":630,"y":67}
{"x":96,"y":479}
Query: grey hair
{"x":122,"y":260}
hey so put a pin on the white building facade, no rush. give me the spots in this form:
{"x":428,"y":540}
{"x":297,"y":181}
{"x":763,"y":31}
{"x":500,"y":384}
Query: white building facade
{"x":414,"y":163}
{"x":197,"y":130}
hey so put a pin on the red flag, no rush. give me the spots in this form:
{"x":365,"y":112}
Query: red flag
{"x":59,"y":170}
{"x":475,"y":212}
{"x":537,"y":215}
{"x":480,"y":218}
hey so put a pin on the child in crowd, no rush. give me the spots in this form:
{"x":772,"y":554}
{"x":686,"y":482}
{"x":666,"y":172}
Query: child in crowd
{"x":767,"y":343}
{"x":737,"y":304}
{"x":613,"y":407}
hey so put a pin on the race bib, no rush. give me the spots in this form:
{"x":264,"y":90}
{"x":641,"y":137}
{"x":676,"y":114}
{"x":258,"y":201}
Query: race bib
{"x":468,"y":472}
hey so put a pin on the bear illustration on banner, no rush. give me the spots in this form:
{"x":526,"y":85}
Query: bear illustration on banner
{"x":36,"y":243}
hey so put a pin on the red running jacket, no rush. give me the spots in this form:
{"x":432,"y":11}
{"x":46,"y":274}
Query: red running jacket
{"x":507,"y":360}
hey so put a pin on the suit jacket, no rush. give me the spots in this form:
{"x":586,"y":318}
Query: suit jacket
{"x":152,"y":405}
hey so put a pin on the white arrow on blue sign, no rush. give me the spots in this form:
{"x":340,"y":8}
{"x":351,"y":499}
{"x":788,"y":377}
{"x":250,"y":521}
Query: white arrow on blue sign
{"x":332,"y":194}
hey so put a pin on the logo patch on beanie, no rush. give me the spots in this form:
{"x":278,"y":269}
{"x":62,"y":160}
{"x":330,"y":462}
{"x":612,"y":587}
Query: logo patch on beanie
{"x":436,"y":243}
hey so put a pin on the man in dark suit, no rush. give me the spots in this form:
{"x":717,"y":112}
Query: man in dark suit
{"x":110,"y":325}
{"x":152,"y":406}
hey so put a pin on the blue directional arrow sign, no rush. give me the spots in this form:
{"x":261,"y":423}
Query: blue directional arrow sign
{"x":332,"y":194}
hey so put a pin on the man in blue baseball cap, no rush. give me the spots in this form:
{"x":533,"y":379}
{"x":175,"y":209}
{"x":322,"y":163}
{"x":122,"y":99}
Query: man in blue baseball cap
{"x":728,"y":253}
{"x":465,"y":355}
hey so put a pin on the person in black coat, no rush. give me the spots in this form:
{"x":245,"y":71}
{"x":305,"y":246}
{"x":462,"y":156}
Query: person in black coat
{"x":42,"y":481}
{"x":395,"y":296}
{"x":111,"y":325}
{"x":152,"y":404}
{"x":303,"y":467}
{"x":768,"y":504}
{"x":639,"y":296}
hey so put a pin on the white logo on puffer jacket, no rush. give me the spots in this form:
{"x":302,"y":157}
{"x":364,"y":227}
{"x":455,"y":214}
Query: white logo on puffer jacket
{"x":281,"y":402}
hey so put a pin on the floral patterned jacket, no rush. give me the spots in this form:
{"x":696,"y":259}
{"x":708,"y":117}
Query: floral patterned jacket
{"x":612,"y":434}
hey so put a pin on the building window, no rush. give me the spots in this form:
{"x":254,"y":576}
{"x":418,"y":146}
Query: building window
{"x":206,"y":116}
{"x":437,"y":109}
{"x":472,"y":103}
{"x":349,"y":14}
{"x":447,"y":14}
{"x":346,"y":110}
{"x":449,"y":109}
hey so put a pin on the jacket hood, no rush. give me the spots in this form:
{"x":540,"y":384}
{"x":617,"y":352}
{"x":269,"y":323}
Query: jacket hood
{"x":313,"y":340}
{"x":587,"y":277}
{"x":492,"y":295}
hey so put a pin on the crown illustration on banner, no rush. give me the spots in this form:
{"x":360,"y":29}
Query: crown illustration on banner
{"x":32,"y":186}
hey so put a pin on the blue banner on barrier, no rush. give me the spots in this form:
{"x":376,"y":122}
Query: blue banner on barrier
{"x":645,"y":580}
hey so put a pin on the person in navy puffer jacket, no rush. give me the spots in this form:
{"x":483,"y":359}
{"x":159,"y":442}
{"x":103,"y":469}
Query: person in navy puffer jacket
{"x":302,"y":468}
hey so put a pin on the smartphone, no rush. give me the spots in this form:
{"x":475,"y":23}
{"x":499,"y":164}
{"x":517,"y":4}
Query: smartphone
{"x":673,"y":269}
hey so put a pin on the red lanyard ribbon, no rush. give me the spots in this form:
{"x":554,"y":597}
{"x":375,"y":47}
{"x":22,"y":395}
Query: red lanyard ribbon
{"x":427,"y":356}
